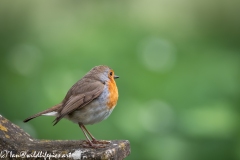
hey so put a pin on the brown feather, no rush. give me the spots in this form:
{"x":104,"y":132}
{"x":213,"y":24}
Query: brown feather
{"x":74,"y":102}
{"x":52,"y":109}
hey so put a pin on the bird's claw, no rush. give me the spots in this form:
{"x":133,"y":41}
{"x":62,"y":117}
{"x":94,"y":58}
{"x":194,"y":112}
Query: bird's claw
{"x":94,"y":141}
{"x":95,"y":144}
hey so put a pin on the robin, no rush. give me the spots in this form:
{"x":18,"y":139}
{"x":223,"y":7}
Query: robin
{"x":90,"y":100}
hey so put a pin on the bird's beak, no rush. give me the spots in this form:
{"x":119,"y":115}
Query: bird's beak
{"x":115,"y":76}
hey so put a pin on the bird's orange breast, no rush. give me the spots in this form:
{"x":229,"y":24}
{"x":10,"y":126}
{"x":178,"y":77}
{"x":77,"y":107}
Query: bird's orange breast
{"x":113,"y":94}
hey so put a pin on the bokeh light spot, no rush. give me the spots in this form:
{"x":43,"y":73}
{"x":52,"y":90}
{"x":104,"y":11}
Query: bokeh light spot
{"x":129,"y":123}
{"x":170,"y":147}
{"x":213,"y":120}
{"x":24,"y":59}
{"x":157,"y":54}
{"x":157,"y":117}
{"x":56,"y":84}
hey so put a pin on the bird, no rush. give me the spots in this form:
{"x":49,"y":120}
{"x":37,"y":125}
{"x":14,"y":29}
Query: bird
{"x":90,"y":100}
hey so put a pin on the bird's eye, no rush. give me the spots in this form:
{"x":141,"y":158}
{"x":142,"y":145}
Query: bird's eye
{"x":111,"y":73}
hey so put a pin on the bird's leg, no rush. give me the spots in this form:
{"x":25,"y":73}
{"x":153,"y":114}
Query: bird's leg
{"x":83,"y":129}
{"x":94,"y":140}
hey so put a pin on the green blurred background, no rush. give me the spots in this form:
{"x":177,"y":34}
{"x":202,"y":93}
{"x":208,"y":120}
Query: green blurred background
{"x":178,"y":62}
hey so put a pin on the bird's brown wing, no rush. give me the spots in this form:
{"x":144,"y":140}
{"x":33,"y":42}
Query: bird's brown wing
{"x":74,"y":102}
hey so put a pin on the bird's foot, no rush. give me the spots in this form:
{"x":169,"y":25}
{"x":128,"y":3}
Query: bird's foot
{"x":94,"y":141}
{"x":95,"y":144}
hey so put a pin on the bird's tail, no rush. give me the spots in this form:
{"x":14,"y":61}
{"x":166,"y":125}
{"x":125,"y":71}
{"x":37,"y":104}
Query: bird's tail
{"x":49,"y":112}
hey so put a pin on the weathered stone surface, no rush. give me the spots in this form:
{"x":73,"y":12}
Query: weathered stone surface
{"x":17,"y":144}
